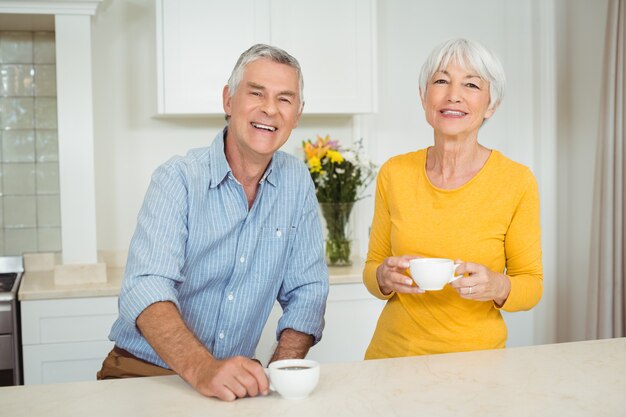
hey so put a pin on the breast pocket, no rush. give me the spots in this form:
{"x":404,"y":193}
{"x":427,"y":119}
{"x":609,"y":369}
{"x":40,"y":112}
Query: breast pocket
{"x":272,"y":251}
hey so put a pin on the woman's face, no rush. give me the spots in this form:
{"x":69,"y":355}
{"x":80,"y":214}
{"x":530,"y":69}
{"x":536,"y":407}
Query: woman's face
{"x":456,"y":102}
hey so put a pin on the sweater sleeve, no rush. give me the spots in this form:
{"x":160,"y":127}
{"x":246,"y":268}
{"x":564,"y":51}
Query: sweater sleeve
{"x":522,"y":247}
{"x":379,"y":240}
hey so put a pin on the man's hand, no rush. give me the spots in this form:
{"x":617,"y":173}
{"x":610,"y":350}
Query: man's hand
{"x":163,"y":327}
{"x":230,"y":378}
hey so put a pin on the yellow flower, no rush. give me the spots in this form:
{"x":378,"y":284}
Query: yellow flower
{"x":309,"y":150}
{"x":318,"y":149}
{"x":334,"y":156}
{"x":322,"y":146}
{"x":315,"y":165}
{"x":322,"y":141}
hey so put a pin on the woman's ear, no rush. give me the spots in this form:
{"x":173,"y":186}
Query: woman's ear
{"x":490,"y":111}
{"x":422,"y":99}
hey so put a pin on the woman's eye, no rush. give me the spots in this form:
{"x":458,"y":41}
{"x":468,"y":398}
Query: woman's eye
{"x":440,"y":81}
{"x":472,"y":85}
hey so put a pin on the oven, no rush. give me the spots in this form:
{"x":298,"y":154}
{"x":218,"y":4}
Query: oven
{"x":11,"y":270}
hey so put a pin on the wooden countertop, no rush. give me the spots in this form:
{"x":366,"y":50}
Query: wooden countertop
{"x":568,"y":379}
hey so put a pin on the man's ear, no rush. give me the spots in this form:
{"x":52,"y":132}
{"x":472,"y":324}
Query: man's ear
{"x":226,"y":98}
{"x":299,"y":115}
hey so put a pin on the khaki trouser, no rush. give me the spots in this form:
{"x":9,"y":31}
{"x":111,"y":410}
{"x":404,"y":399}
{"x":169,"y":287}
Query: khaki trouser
{"x":122,"y":364}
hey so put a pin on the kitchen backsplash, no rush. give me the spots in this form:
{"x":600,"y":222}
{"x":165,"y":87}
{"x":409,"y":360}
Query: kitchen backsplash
{"x":30,"y":219}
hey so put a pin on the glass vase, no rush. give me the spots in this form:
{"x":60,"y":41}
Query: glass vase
{"x":338,"y":239}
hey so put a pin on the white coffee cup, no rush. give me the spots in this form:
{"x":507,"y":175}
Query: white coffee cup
{"x":432,"y":274}
{"x":293,"y":379}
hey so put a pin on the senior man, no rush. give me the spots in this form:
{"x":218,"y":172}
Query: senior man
{"x":224,"y":232}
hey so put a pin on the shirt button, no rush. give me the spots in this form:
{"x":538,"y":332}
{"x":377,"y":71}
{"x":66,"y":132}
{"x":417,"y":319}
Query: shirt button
{"x":242,"y":259}
{"x":231,"y":297}
{"x":279,"y":233}
{"x":222,"y":335}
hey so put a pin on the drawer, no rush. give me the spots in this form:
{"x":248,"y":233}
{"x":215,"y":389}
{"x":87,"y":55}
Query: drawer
{"x":67,"y":320}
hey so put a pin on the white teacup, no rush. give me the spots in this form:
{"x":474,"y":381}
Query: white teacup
{"x":432,"y":274}
{"x":293,"y":379}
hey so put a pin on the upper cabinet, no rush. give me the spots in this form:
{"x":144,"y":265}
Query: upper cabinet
{"x":199,"y":41}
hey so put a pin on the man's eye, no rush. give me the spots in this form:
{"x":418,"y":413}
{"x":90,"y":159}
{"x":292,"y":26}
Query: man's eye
{"x":255,"y":93}
{"x":285,"y":100}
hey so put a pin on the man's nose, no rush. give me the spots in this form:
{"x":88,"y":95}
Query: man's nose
{"x":268,"y":106}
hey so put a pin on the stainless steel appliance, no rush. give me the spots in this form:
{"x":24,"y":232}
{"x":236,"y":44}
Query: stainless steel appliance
{"x":11,"y":270}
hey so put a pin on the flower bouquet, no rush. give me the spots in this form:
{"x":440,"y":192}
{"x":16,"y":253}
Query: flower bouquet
{"x":340,"y":176}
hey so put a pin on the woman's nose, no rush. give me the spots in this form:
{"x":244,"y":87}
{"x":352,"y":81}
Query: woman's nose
{"x":454,"y":95}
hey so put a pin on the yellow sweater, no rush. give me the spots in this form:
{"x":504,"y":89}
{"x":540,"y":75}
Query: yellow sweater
{"x":493,"y":219}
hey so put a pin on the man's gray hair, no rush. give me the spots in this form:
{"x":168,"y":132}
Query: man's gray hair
{"x":469,"y":55}
{"x":272,"y":53}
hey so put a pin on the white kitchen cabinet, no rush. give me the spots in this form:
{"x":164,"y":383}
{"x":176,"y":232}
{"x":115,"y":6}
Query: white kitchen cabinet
{"x":199,"y":41}
{"x":351,"y":316}
{"x":65,"y":340}
{"x":334,"y":41}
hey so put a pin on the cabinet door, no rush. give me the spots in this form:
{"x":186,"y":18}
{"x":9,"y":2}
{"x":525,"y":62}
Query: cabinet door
{"x":63,"y":362}
{"x":351,"y":317}
{"x":67,"y":320}
{"x":334,"y":41}
{"x":65,"y":339}
{"x":198,"y":43}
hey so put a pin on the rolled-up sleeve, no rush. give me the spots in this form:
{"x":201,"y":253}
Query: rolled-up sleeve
{"x":156,"y":253}
{"x":304,"y":290}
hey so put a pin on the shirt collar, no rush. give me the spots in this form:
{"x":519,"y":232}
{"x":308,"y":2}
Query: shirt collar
{"x":219,"y":165}
{"x":269,"y":174}
{"x":220,"y":168}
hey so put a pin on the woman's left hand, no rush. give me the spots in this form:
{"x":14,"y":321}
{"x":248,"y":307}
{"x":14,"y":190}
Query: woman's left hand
{"x":481,"y":284}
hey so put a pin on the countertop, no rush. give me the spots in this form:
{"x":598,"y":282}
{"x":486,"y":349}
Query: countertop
{"x":568,"y":379}
{"x":40,"y":285}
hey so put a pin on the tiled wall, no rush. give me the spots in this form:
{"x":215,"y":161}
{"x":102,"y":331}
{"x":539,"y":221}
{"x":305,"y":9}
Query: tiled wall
{"x":30,"y":219}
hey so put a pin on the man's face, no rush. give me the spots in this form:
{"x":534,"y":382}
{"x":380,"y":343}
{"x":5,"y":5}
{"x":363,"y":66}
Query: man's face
{"x":264,"y":109}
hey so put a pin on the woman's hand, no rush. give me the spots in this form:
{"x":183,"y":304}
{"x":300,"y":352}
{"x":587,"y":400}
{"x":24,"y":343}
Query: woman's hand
{"x":481,"y":284}
{"x":391,"y":277}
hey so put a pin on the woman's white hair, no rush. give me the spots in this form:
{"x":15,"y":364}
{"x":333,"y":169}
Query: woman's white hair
{"x":272,"y":53}
{"x":469,"y":55}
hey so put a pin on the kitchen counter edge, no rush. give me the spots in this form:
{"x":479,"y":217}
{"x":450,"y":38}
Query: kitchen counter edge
{"x":40,"y":285}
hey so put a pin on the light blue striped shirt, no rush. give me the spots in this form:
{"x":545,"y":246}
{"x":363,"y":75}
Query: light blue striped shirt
{"x":198,"y":246}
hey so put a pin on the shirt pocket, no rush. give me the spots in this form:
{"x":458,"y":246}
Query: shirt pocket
{"x":277,"y":234}
{"x":272,"y":250}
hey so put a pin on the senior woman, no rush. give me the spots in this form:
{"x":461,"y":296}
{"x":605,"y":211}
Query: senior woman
{"x":459,"y":200}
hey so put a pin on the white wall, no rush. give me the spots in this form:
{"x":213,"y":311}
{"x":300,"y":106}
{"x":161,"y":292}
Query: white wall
{"x":581,"y":28}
